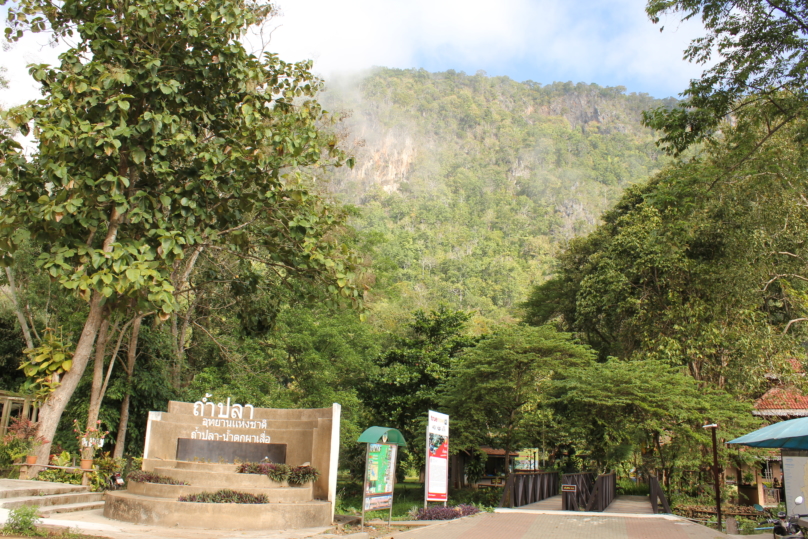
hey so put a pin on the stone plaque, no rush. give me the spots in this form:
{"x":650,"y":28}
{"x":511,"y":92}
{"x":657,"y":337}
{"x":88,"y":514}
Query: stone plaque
{"x":219,"y":451}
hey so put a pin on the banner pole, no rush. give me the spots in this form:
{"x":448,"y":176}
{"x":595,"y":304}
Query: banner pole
{"x":426,"y":465}
{"x":365,"y":484}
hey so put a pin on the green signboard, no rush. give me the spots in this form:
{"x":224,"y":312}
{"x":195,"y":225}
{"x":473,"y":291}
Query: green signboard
{"x":380,"y":476}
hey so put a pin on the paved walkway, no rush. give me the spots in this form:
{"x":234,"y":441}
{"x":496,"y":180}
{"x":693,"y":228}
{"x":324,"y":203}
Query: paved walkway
{"x":625,"y":505}
{"x":534,"y":525}
{"x":634,"y":505}
{"x":519,"y":523}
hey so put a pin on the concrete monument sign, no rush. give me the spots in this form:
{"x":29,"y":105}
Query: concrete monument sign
{"x":200,"y":442}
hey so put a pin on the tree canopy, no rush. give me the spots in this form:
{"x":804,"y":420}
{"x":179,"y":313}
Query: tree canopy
{"x":760,"y":53}
{"x":158,"y":137}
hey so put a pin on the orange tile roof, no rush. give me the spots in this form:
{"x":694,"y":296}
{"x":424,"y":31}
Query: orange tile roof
{"x":497,"y":452}
{"x":784,"y":401}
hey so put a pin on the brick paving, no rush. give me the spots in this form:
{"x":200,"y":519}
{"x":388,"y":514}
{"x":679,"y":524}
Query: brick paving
{"x":515,"y":525}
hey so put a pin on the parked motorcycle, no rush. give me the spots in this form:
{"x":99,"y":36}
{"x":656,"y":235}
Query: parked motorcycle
{"x":787,"y":526}
{"x":114,"y":481}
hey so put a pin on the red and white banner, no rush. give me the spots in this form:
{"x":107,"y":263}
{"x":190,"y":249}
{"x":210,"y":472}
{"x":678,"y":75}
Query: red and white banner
{"x":437,"y":457}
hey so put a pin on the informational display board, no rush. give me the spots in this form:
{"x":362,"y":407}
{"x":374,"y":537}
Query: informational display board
{"x":380,"y":474}
{"x":437,"y":458}
{"x":795,"y":478}
{"x":527,"y":460}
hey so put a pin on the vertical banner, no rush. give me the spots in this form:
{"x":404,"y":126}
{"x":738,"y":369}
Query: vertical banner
{"x":437,"y":458}
{"x":380,"y":473}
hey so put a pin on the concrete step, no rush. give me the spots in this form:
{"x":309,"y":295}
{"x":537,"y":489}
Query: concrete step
{"x":70,"y":508}
{"x":232,"y":480}
{"x":172,"y":492}
{"x":206,"y":467}
{"x":51,"y":500}
{"x":145,"y":510}
{"x":46,"y":489}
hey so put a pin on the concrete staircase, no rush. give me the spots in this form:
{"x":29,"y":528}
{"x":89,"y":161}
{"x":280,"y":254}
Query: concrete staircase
{"x":52,"y":498}
{"x":289,"y":507}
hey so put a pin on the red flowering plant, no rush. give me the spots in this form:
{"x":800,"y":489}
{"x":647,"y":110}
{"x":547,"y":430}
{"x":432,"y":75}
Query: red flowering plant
{"x":21,"y":438}
{"x":90,"y":439}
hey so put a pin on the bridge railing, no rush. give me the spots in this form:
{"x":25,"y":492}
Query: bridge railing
{"x":657,"y":495}
{"x":528,"y":487}
{"x":603,"y":492}
{"x":572,"y":501}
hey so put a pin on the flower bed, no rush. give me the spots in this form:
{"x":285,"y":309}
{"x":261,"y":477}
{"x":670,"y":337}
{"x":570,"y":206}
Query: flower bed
{"x":439,"y":512}
{"x":224,"y":496}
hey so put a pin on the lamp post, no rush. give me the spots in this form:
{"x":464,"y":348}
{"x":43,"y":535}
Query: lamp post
{"x":713,"y":427}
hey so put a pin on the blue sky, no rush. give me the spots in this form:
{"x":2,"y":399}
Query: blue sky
{"x":607,"y":42}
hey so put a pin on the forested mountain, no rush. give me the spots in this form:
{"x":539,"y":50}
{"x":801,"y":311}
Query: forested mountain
{"x":467,"y":184}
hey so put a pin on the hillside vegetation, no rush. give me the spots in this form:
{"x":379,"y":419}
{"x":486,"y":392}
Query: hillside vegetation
{"x":467,"y":184}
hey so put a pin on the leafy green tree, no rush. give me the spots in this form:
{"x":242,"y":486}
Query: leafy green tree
{"x":408,"y":377}
{"x":762,"y":51}
{"x":497,"y":387}
{"x":617,"y":408}
{"x":158,"y":136}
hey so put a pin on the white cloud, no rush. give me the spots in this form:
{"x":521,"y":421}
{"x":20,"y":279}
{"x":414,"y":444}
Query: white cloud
{"x":609,"y":43}
{"x":577,"y":39}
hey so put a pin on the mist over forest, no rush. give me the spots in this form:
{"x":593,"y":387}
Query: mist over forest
{"x":559,"y":265}
{"x":468,"y":185}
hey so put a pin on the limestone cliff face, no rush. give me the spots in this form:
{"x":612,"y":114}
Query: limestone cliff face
{"x":384,"y":159}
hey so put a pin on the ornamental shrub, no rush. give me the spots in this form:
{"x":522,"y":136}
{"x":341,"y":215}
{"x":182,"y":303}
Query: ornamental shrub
{"x":438,"y":512}
{"x":22,"y":521}
{"x":298,"y":475}
{"x":224,"y":496}
{"x":301,"y":475}
{"x":139,"y":476}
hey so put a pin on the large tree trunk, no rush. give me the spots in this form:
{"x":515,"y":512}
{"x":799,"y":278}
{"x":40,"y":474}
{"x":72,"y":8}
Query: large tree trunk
{"x":98,"y":374}
{"x":131,"y":356}
{"x":26,"y":333}
{"x":51,"y":411}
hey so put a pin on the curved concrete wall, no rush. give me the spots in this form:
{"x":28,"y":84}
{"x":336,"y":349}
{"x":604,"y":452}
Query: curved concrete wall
{"x":172,"y":492}
{"x":130,"y":507}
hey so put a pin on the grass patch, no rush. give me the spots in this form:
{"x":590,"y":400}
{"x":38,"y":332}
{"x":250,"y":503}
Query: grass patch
{"x":408,"y":498}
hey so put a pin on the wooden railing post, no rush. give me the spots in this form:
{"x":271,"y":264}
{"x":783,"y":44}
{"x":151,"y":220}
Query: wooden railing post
{"x":657,"y":495}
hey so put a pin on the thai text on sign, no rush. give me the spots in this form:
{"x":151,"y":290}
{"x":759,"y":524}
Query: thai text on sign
{"x":437,"y":457}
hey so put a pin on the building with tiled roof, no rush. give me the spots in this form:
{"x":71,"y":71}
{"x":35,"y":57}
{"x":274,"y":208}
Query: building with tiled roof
{"x":782,"y":403}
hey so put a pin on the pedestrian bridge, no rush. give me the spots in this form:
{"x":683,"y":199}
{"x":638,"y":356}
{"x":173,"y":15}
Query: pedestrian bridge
{"x":546,"y":491}
{"x":622,"y":504}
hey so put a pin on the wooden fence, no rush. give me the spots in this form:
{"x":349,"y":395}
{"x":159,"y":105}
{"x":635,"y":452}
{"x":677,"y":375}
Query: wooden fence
{"x":657,"y":495}
{"x":572,"y":501}
{"x":528,"y":487}
{"x":14,"y":406}
{"x":591,"y":493}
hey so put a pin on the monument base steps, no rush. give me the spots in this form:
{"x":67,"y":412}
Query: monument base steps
{"x":151,"y":503}
{"x":130,"y":507}
{"x":66,"y":501}
{"x":275,"y":494}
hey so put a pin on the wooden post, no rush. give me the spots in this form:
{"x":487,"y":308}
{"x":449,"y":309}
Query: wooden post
{"x":6,"y":415}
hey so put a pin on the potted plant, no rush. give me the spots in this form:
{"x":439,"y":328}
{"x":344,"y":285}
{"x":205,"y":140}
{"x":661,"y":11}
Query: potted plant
{"x":34,"y":444}
{"x":22,"y":436}
{"x":90,"y":440}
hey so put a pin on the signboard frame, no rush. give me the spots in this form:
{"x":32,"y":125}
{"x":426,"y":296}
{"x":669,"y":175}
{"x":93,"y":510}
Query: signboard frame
{"x":793,"y":461}
{"x":437,"y":458}
{"x":385,"y":498}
